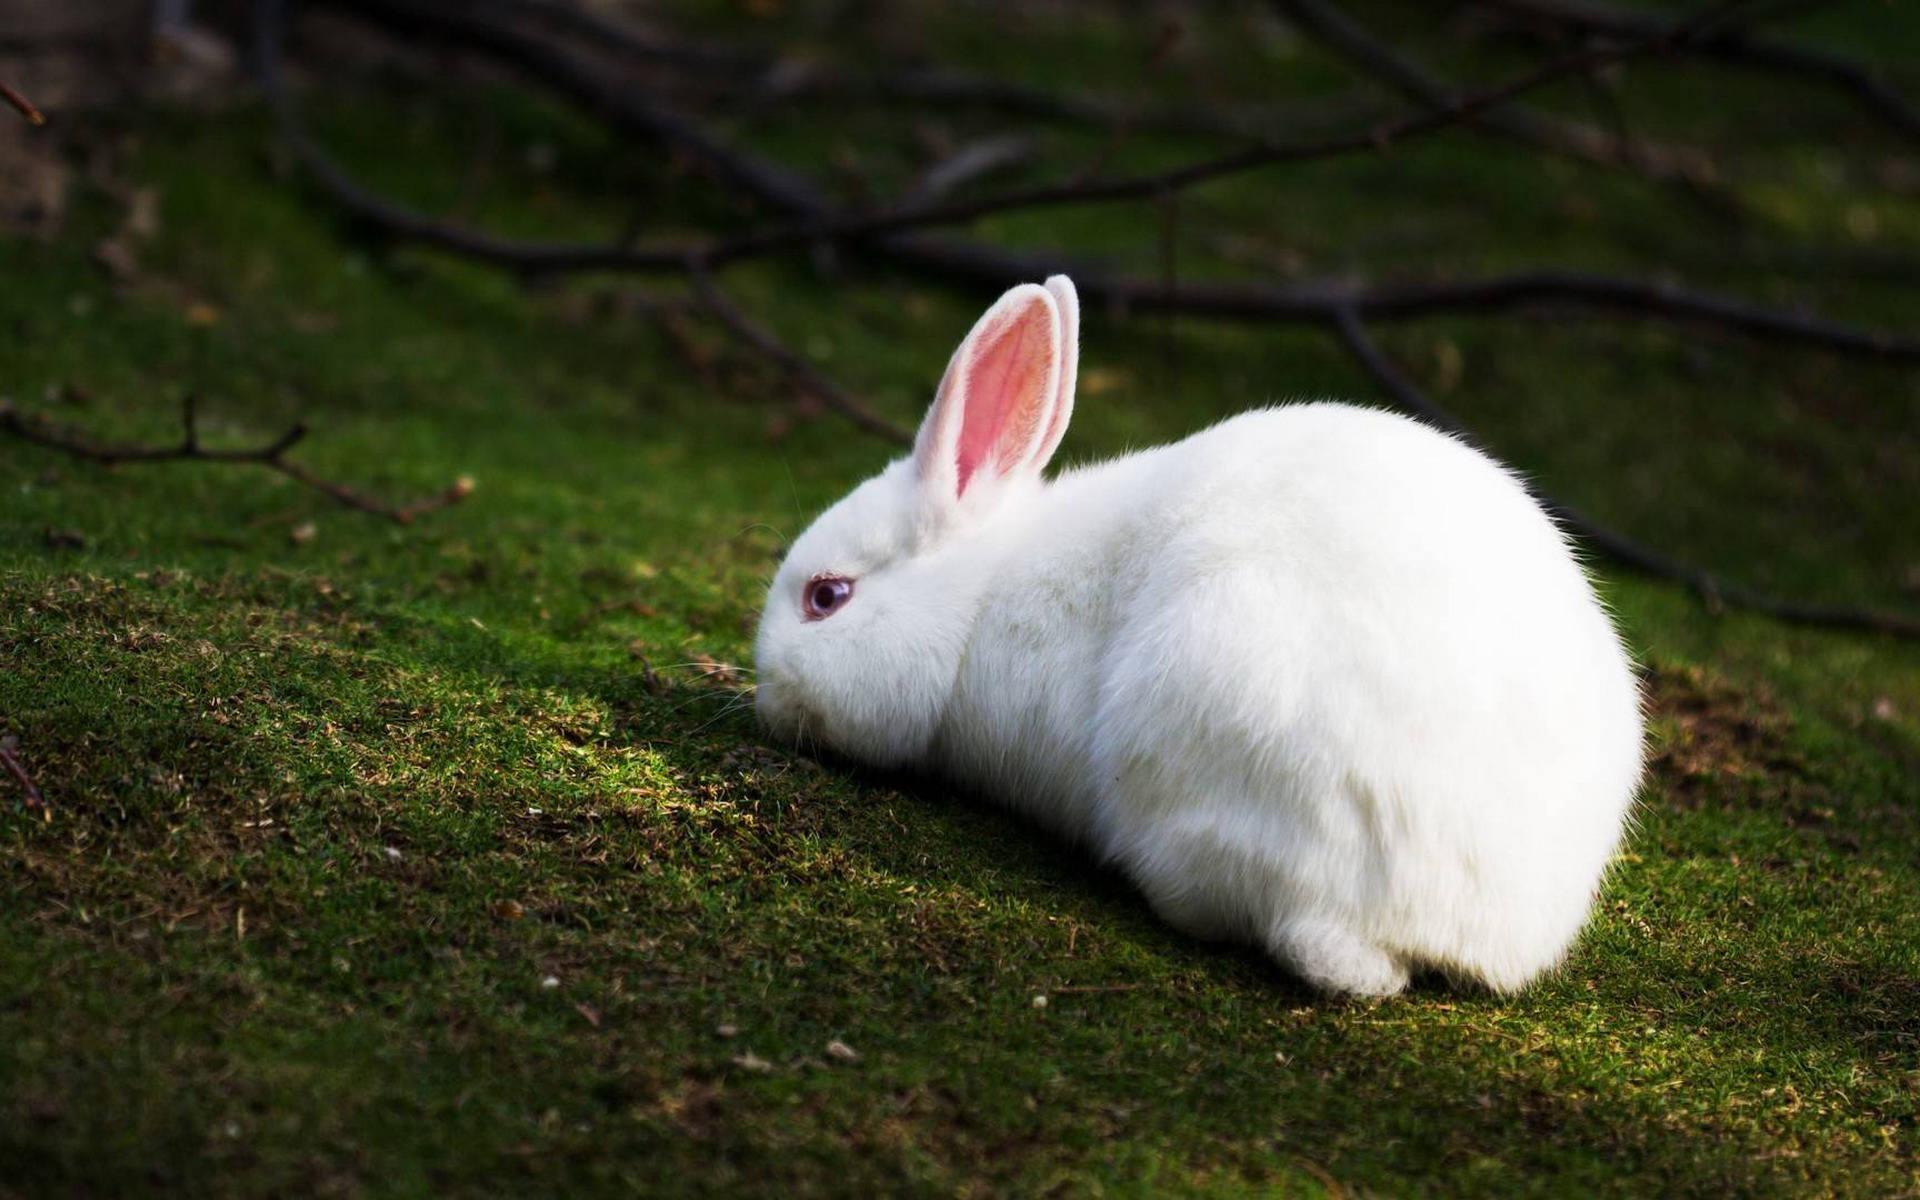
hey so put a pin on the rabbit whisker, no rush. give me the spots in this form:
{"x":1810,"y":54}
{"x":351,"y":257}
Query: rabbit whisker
{"x":709,"y":667}
{"x":734,"y":704}
{"x":745,"y":530}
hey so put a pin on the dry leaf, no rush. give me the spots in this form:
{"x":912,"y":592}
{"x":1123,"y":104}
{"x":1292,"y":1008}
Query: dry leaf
{"x":712,"y":670}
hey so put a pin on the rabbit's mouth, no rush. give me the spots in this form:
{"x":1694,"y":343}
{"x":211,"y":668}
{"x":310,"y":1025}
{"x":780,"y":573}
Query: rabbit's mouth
{"x":786,"y":716}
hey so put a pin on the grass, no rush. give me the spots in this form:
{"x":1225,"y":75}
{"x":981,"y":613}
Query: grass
{"x":379,"y":866}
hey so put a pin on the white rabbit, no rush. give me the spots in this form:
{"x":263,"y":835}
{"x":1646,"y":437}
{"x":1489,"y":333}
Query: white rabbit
{"x":1320,"y":677}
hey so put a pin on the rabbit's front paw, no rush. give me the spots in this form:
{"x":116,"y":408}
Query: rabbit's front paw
{"x":1334,"y":958}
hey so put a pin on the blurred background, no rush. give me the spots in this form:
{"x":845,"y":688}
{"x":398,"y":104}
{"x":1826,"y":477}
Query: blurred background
{"x":1672,"y":280}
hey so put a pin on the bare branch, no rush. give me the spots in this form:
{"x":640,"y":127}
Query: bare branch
{"x":894,"y":234}
{"x":1347,"y":37}
{"x":1316,"y":302}
{"x":272,"y":455}
{"x":811,"y":377}
{"x":1636,"y":296}
{"x":33,"y":429}
{"x":629,"y":39}
{"x":993,"y":266}
{"x":774,"y":77}
{"x":1716,"y":593}
{"x":1385,"y":372}
{"x":1870,"y":88}
{"x":25,"y":106}
{"x":998,"y":267}
{"x":943,"y":88}
{"x":579,"y":78}
{"x":488,"y":25}
{"x":33,"y":798}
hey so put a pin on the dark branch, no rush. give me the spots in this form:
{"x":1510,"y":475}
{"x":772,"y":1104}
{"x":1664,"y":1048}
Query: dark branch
{"x":997,"y":267}
{"x":393,"y":219}
{"x":647,"y":47}
{"x":770,"y":77}
{"x":489,"y":26}
{"x":1385,"y":372}
{"x":30,"y":428}
{"x":600,"y":92}
{"x":1869,"y":88}
{"x":1352,"y":41}
{"x":811,"y":377}
{"x":271,"y":456}
{"x":1637,"y":296}
{"x":993,"y":266}
{"x":1712,"y":590}
{"x":1452,"y":112}
{"x":890,"y":234}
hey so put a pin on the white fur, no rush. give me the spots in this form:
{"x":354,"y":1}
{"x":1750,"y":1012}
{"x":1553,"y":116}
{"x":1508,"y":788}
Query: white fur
{"x":1320,"y":678}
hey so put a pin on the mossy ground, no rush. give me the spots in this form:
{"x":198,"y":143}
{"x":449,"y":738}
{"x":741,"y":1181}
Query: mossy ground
{"x":378,"y":864}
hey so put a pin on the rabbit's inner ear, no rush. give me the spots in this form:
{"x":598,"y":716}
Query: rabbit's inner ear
{"x":997,"y":402}
{"x":1007,"y":381}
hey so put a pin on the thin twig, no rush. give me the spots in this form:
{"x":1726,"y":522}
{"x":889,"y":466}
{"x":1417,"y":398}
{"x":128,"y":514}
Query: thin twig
{"x":33,"y":796}
{"x":811,"y":377}
{"x":272,"y":455}
{"x":25,"y":106}
{"x":1714,"y":592}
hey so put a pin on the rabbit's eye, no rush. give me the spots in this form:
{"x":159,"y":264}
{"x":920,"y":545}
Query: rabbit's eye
{"x":825,"y":594}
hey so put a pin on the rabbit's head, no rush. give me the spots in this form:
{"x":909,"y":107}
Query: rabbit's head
{"x":869,"y":614}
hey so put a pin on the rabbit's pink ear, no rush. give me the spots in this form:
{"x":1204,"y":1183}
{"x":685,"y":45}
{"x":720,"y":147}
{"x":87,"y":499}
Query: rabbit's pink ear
{"x":1066,"y":303}
{"x":996,"y":407}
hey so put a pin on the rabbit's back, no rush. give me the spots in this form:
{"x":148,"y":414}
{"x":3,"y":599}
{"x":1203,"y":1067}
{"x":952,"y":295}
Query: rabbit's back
{"x":1359,"y":703}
